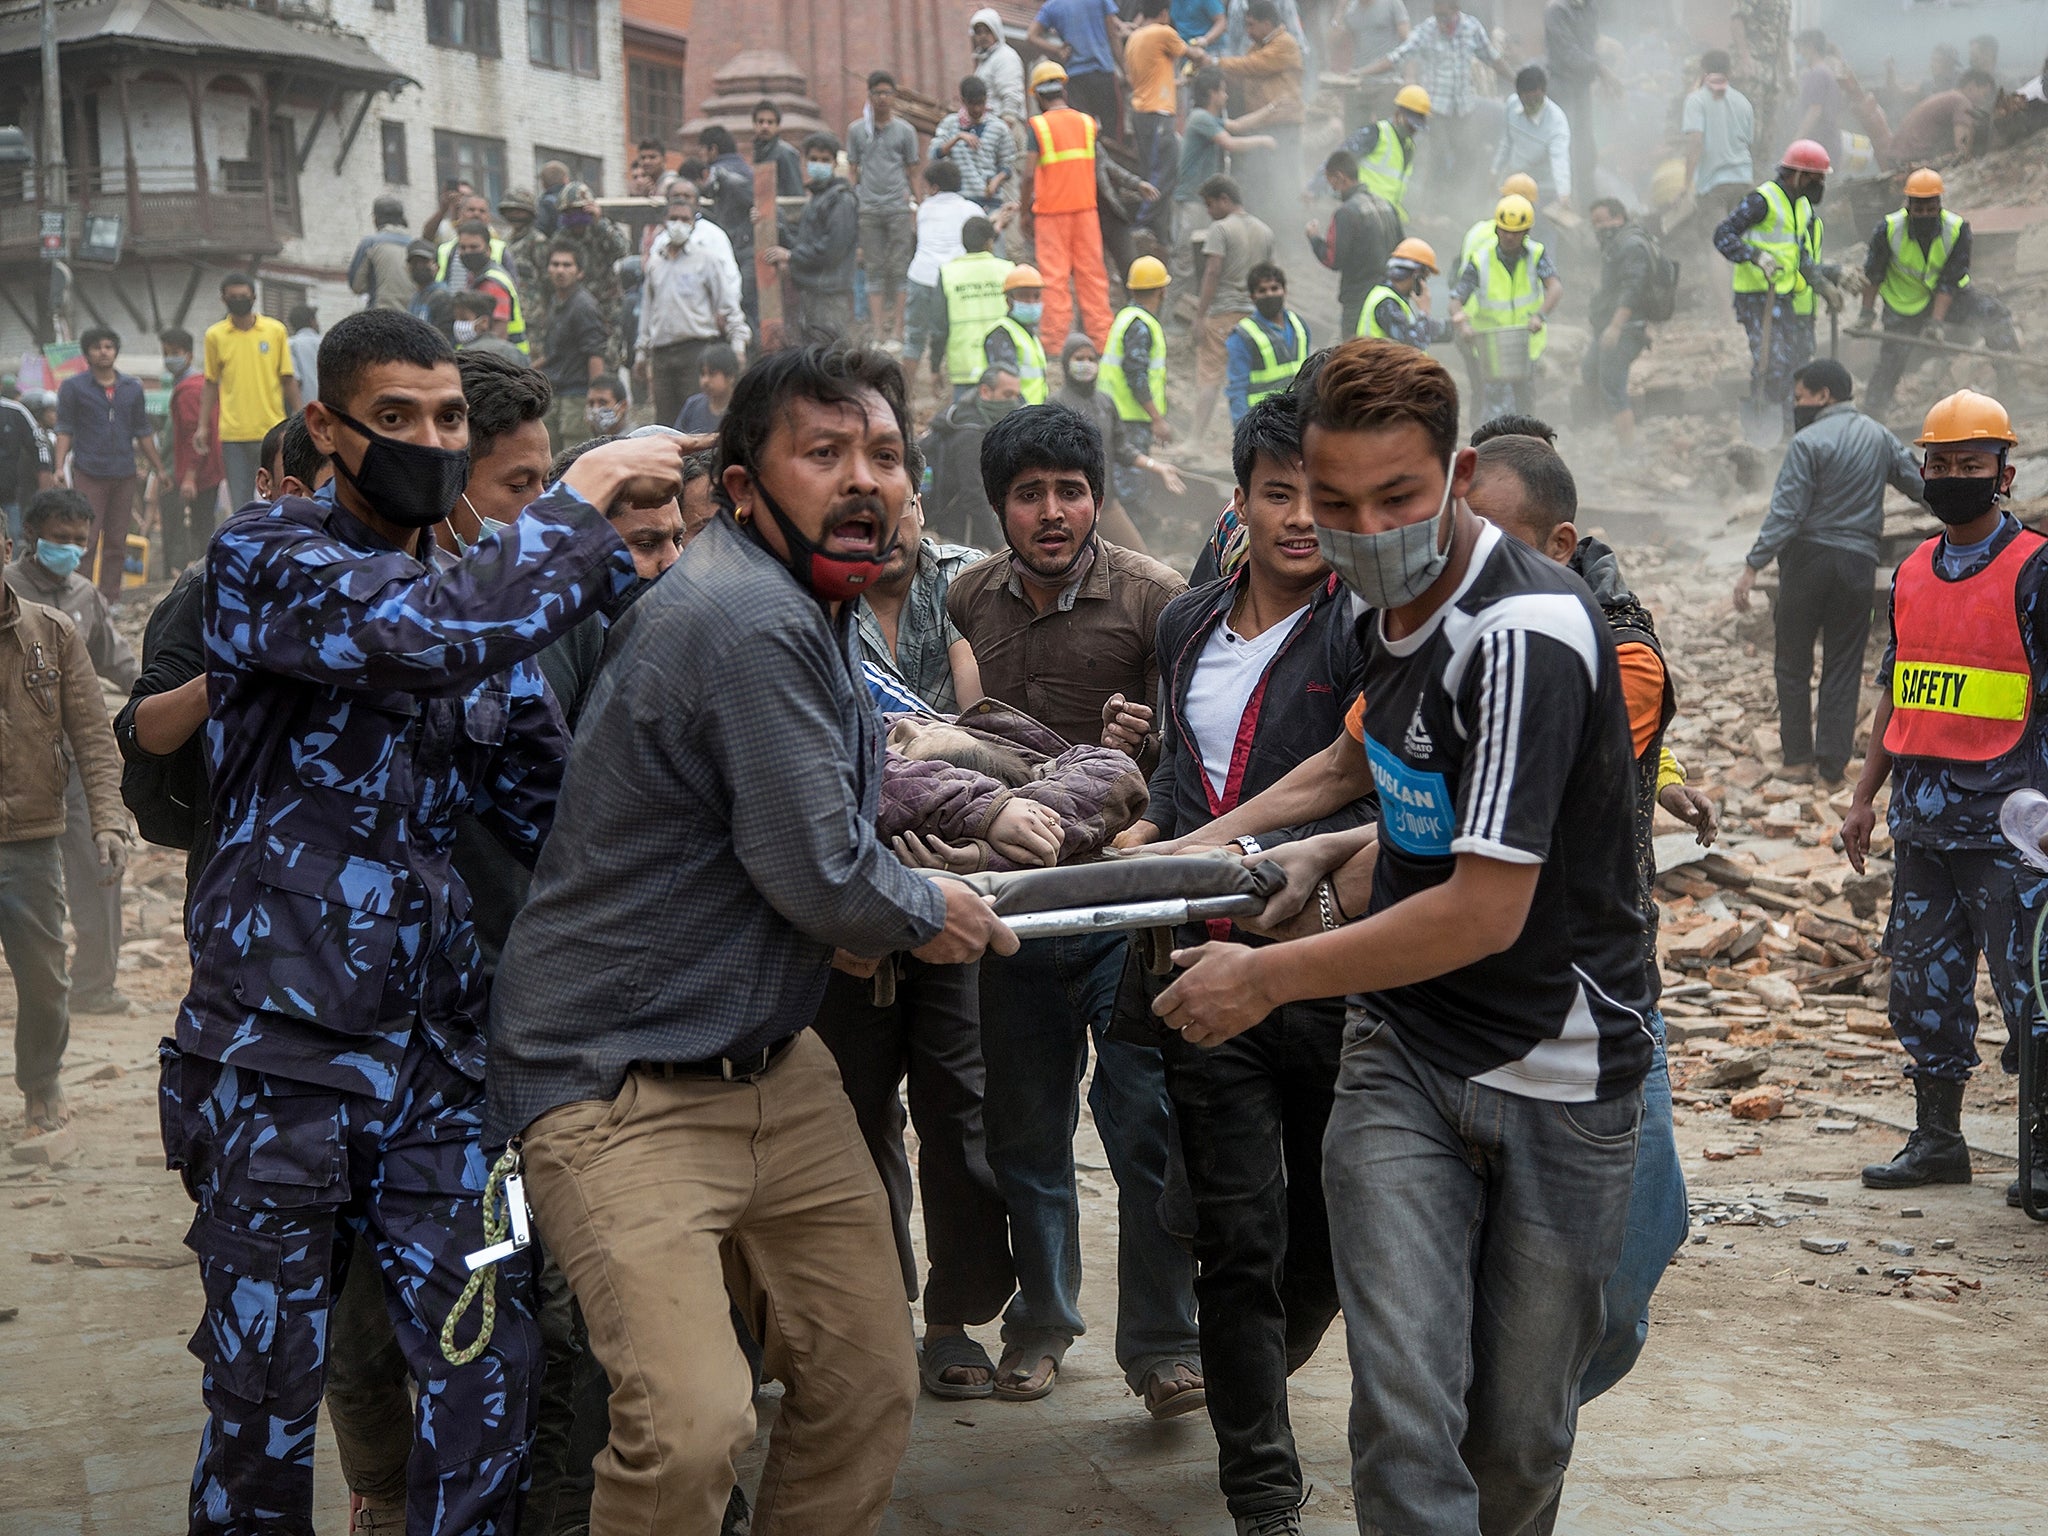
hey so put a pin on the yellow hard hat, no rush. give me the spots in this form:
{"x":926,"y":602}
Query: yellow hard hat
{"x":1513,"y":213}
{"x":1047,"y":70}
{"x":1924,"y":183}
{"x":1521,"y":184}
{"x":1421,"y":252}
{"x":1966,"y":417}
{"x":1414,"y":98}
{"x":1023,"y":275}
{"x":1147,"y":272}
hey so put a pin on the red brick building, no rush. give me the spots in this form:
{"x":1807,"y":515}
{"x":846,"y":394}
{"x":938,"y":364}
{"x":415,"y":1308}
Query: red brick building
{"x":836,"y":42}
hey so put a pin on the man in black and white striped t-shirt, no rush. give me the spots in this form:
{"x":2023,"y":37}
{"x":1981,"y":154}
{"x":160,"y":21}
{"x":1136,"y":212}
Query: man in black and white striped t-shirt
{"x":1480,"y":1152}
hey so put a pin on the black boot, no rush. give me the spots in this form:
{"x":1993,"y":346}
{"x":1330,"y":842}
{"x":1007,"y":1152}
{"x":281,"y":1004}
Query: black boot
{"x":2034,"y":1103}
{"x":1935,"y":1153}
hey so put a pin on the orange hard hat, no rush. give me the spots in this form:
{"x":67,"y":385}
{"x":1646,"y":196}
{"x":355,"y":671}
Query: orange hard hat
{"x":1963,"y":418}
{"x":1023,"y":275}
{"x":1924,"y":183}
{"x":1806,"y":155}
{"x":1421,"y":252}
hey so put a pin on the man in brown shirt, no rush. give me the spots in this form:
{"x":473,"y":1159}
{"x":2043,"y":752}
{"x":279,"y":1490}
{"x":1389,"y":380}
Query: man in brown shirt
{"x":1270,"y":74}
{"x":1063,"y":625}
{"x":49,"y":698}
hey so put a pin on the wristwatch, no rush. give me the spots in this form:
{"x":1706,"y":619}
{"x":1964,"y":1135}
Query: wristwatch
{"x":1248,"y":844}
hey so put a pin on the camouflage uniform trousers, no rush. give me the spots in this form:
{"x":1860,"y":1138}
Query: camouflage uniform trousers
{"x":1948,"y":906}
{"x":1791,"y":344}
{"x":292,"y":1181}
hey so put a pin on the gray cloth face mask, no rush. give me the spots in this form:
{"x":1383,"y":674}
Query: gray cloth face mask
{"x":1390,"y":569}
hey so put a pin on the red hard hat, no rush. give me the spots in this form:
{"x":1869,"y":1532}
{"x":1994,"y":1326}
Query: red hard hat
{"x":1805,"y":155}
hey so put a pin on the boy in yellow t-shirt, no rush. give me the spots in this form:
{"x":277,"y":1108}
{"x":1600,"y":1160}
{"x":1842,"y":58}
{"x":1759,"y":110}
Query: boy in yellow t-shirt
{"x":249,"y":378}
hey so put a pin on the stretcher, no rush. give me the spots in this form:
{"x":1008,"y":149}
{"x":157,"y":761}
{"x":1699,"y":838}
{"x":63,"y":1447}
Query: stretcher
{"x":1147,"y":896}
{"x":2023,"y":818}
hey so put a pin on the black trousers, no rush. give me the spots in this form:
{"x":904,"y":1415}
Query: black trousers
{"x":931,"y":1034}
{"x":1095,"y":94}
{"x":187,"y":525}
{"x":1251,"y":1114}
{"x":1823,"y":594}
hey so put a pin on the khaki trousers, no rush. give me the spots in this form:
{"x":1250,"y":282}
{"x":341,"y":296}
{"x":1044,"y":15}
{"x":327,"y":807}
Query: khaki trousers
{"x":681,"y":1190}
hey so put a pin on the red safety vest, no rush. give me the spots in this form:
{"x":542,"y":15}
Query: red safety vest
{"x":1962,"y":686}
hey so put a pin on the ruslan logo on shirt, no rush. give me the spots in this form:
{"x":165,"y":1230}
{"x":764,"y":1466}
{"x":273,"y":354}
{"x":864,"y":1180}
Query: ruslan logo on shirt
{"x":1416,"y":814}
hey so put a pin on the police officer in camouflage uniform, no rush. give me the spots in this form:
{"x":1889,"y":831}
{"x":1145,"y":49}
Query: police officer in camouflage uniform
{"x":323,"y":1096}
{"x":601,"y":243}
{"x":1966,"y":700}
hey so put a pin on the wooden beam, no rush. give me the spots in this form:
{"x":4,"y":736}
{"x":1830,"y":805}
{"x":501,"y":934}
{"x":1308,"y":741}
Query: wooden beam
{"x":7,"y":293}
{"x":156,"y":309}
{"x":121,"y":293}
{"x":201,"y":179}
{"x":191,"y":292}
{"x":348,"y":140}
{"x":78,"y":292}
{"x":128,"y":154}
{"x":320,"y":117}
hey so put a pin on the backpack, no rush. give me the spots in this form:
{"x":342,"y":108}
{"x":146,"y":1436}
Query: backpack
{"x":1660,"y":289}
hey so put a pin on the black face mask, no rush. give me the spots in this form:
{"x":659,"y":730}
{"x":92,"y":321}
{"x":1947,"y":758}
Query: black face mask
{"x":1270,"y":306}
{"x":413,"y":485}
{"x":1957,"y":501}
{"x":476,"y":261}
{"x":1803,"y":416}
{"x":614,"y":608}
{"x":1815,"y":190}
{"x":240,"y":305}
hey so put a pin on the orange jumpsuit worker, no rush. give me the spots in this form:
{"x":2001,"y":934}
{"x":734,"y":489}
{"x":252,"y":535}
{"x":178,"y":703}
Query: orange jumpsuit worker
{"x":1059,"y":174}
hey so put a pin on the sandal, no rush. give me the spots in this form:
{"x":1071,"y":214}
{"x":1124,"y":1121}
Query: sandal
{"x":46,"y":1111}
{"x":1173,"y":1390}
{"x":1018,"y":1366}
{"x":945,"y":1352}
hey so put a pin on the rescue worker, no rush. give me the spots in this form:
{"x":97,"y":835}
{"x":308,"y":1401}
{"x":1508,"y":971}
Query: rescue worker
{"x":1773,"y":238}
{"x":971,"y":286}
{"x":474,"y":245}
{"x":1134,"y":374}
{"x":1520,"y":184}
{"x":1509,"y":284}
{"x":1386,"y":149}
{"x":1265,"y":350}
{"x":1012,"y":342}
{"x":526,"y":256}
{"x":1398,"y":309}
{"x":1057,"y":171}
{"x":324,"y":1092}
{"x":1965,"y":686}
{"x":1919,"y":267}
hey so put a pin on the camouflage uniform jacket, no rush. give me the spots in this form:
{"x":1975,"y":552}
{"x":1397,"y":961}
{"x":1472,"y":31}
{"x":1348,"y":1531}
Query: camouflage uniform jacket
{"x":601,"y":243}
{"x":360,"y":701}
{"x":527,"y":260}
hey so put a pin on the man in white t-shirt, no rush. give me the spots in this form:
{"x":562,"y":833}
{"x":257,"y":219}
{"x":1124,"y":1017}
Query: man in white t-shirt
{"x":1255,"y":672}
{"x":940,"y":218}
{"x":1482,"y":1139}
{"x":1719,"y":127}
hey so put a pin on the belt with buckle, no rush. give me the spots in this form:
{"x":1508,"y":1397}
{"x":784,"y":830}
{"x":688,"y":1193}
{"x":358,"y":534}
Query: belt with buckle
{"x":732,"y":1069}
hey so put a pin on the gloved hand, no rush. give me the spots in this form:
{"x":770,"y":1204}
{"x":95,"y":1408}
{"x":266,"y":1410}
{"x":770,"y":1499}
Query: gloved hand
{"x":1933,"y":331}
{"x":1767,"y":266}
{"x":113,"y":851}
{"x":1830,"y":294}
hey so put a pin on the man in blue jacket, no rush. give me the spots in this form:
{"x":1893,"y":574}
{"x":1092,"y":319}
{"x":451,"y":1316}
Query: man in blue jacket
{"x":323,"y":1095}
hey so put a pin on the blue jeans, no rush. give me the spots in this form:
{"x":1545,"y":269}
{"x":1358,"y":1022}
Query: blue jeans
{"x":1038,"y":1009}
{"x":1473,"y":1233}
{"x":1657,"y":1222}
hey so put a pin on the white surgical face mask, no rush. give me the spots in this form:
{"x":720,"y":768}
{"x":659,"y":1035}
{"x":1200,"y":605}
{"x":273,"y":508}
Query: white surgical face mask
{"x":679,"y":229}
{"x":486,"y":526}
{"x":1390,"y":569}
{"x":465,"y":330}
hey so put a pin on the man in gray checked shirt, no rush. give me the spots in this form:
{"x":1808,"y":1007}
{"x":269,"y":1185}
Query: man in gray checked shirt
{"x":683,"y":1131}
